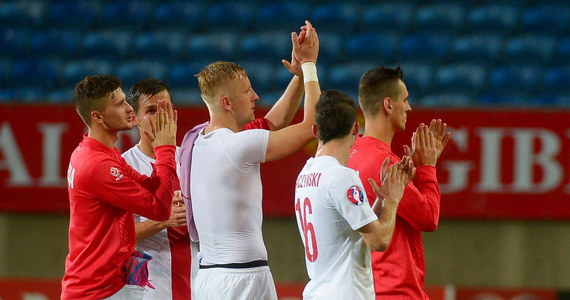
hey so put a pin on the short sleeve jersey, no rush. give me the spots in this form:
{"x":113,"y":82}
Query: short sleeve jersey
{"x":330,"y":206}
{"x":226,"y":195}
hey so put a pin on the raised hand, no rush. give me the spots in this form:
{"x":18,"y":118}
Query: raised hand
{"x":164,"y":125}
{"x":424,"y":151}
{"x":306,"y":44}
{"x":295,"y":65}
{"x":441,"y":137}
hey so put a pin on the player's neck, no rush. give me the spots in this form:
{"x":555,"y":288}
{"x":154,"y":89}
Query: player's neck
{"x":337,"y":148}
{"x":218,"y":121}
{"x":146,"y":147}
{"x":380,"y":129}
{"x":105,"y":137}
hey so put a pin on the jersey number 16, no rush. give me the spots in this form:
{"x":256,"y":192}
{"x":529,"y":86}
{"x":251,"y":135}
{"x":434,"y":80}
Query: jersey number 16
{"x":307,"y":228}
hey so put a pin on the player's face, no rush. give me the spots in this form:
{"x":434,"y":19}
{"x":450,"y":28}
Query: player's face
{"x":118,"y":114}
{"x":148,"y":106}
{"x":243,"y":101}
{"x":400,"y":108}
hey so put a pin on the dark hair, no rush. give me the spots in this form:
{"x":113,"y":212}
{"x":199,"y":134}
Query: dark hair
{"x":377,"y":84}
{"x":90,"y":93}
{"x":335,"y":115}
{"x":145,"y":87}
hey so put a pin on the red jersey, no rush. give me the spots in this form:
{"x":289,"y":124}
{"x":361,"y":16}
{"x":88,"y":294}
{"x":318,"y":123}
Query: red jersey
{"x":104,"y":192}
{"x":400,"y":270}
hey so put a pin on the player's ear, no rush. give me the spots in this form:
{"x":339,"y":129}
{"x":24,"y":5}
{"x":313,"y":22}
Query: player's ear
{"x":96,"y":117}
{"x":355,"y":128}
{"x":315,"y":131}
{"x":225,"y":103}
{"x":387,"y":103}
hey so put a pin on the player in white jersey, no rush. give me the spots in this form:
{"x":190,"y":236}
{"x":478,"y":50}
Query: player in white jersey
{"x":225,"y":183}
{"x":336,"y":223}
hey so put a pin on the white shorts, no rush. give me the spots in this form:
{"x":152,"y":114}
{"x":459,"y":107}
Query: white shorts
{"x":234,"y":284}
{"x":128,"y":292}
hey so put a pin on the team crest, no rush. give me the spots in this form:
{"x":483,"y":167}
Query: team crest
{"x":355,"y":195}
{"x":116,"y":173}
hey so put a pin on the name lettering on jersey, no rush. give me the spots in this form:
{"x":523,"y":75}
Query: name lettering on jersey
{"x":70,"y":176}
{"x":116,"y":173}
{"x":355,"y":195}
{"x":308,"y":180}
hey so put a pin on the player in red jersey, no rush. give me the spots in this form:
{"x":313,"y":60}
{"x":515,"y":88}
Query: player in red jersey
{"x":399,"y":271}
{"x":104,"y":192}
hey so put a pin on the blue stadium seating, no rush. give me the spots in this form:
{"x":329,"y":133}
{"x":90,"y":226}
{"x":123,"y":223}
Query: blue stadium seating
{"x":215,"y":46}
{"x":230,"y":17}
{"x":483,"y":49}
{"x":440,"y":18}
{"x":529,"y":49}
{"x":418,"y":78}
{"x":160,"y":45}
{"x":444,"y":100}
{"x":187,"y":96}
{"x":335,"y":17}
{"x":502,"y":100}
{"x":21,"y":14}
{"x":387,"y":17}
{"x":14,"y":42}
{"x":34,"y":73}
{"x":562,"y":51}
{"x":460,"y":78}
{"x":556,"y":79}
{"x":73,"y":14}
{"x":178,"y":15}
{"x":425,"y":48}
{"x":514,"y":79}
{"x":283,"y":16}
{"x":345,"y":77}
{"x":131,"y":72}
{"x":258,"y":71}
{"x":182,"y":75}
{"x":60,"y":95}
{"x":125,"y":14}
{"x":55,"y":43}
{"x":75,"y":70}
{"x":370,"y":46}
{"x":4,"y":73}
{"x":113,"y":45}
{"x":331,"y":48}
{"x":493,"y":18}
{"x":546,"y":19}
{"x":265,"y":46}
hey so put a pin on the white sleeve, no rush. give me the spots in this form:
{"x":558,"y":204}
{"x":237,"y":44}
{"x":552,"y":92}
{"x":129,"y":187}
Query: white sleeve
{"x":349,"y":198}
{"x":248,"y":148}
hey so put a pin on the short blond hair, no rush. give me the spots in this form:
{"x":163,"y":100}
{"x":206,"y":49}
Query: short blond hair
{"x":211,"y":78}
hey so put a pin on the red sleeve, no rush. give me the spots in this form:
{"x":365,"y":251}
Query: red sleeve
{"x":421,"y":202}
{"x":261,"y":123}
{"x":120,"y":185}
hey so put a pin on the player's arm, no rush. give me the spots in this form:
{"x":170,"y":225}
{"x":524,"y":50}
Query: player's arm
{"x":420,"y":205}
{"x":290,"y":139}
{"x":148,"y":228}
{"x":378,"y":233}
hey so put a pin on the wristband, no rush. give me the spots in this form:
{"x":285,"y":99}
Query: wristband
{"x":309,"y":72}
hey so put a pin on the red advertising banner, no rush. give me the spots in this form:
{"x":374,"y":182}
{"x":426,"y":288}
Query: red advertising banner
{"x":498,"y":165}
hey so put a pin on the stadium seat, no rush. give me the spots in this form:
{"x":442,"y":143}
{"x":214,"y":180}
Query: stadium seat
{"x":30,"y":94}
{"x":260,"y":74}
{"x":266,"y":46}
{"x":418,"y":78}
{"x":187,"y":96}
{"x":500,"y":19}
{"x":345,"y":77}
{"x":14,"y":42}
{"x":460,"y":78}
{"x":133,"y":71}
{"x":182,"y":75}
{"x":21,"y":13}
{"x":64,"y":95}
{"x":530,"y":49}
{"x":502,"y":100}
{"x":75,"y":70}
{"x":485,"y":49}
{"x":387,"y":17}
{"x":178,"y":15}
{"x":230,"y":17}
{"x":370,"y":46}
{"x":107,"y":44}
{"x":425,"y":48}
{"x":212,"y":47}
{"x":444,"y":100}
{"x":557,"y":78}
{"x":439,"y":18}
{"x":514,"y":79}
{"x":282,"y":16}
{"x":161,"y":45}
{"x":335,"y":17}
{"x":73,"y":14}
{"x":562,"y":51}
{"x":35,"y":73}
{"x":133,"y":15}
{"x":5,"y":66}
{"x":551,"y":100}
{"x":546,"y":19}
{"x":55,"y":43}
{"x":331,"y":48}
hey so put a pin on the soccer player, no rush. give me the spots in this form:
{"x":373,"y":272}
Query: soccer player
{"x":168,"y":242}
{"x":337,"y":225}
{"x":104,"y":192}
{"x":225,"y":180}
{"x":399,"y":271}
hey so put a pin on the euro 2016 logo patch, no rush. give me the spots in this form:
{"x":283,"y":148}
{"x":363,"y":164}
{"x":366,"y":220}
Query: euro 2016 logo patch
{"x":355,"y":195}
{"x":116,"y":173}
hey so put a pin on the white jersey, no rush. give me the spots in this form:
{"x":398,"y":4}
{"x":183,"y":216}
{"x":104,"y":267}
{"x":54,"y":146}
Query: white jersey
{"x":226,"y":195}
{"x":158,"y":245}
{"x":330,"y":206}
